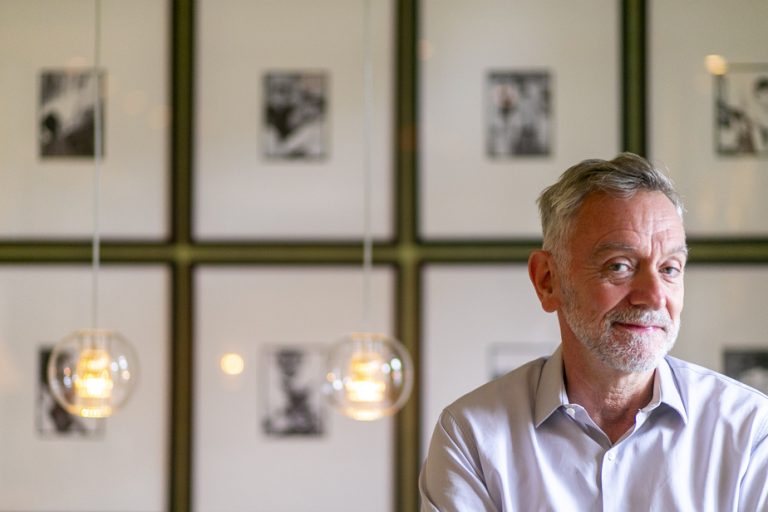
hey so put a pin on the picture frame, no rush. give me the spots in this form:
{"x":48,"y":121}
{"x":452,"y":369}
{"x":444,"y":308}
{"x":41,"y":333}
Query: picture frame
{"x":39,"y":310}
{"x":293,"y":404}
{"x":688,"y":131}
{"x":465,"y":193}
{"x":472,"y":312}
{"x":741,"y":99}
{"x":518,"y":113}
{"x":46,"y":197}
{"x":252,"y":310}
{"x":748,"y":366}
{"x":67,"y":111}
{"x":243,"y":190}
{"x":295,"y":115}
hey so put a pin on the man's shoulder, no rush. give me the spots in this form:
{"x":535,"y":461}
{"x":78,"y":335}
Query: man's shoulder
{"x":704,"y":386}
{"x":690,"y":372}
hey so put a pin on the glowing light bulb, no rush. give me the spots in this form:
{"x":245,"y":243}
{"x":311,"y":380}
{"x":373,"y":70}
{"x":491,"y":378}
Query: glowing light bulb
{"x":92,"y":372}
{"x":232,"y":364}
{"x":366,"y":383}
{"x":716,"y":64}
{"x":369,"y":376}
{"x":93,"y":369}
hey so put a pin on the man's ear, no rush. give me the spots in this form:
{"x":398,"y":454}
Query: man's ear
{"x":543,"y":274}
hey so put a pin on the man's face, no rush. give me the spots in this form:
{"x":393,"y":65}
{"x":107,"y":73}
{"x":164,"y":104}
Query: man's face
{"x":622,"y":291}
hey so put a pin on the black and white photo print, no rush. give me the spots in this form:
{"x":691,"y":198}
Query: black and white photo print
{"x":518,"y":114}
{"x":295,"y":115}
{"x":66,"y":112}
{"x":292,"y":391}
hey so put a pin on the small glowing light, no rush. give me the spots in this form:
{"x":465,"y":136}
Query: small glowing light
{"x":93,"y":383}
{"x":94,"y":379}
{"x":716,"y":64}
{"x":361,"y":382}
{"x":84,"y":372}
{"x":365,"y":383}
{"x":232,"y":364}
{"x":101,"y":412}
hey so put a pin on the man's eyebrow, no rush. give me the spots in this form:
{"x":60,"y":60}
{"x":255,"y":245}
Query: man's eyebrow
{"x":613,"y":247}
{"x":622,"y":247}
{"x":683,"y":249}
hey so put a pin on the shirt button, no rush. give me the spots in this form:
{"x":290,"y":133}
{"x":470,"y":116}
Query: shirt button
{"x":610,"y":457}
{"x":570,"y":411}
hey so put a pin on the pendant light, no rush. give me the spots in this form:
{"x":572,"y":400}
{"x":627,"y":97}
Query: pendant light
{"x":93,"y":371}
{"x":369,"y":374}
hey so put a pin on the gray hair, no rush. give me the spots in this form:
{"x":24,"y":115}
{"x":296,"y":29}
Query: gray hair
{"x":622,"y":177}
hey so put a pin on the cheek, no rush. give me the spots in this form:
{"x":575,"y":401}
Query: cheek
{"x":606,"y":298}
{"x":593,"y":304}
{"x":675,"y":303}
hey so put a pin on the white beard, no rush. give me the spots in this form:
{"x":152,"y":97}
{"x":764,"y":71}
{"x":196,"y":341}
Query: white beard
{"x":622,"y":351}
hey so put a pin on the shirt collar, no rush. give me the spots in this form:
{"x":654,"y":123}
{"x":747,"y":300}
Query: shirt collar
{"x":669,"y":392}
{"x":551,"y":395}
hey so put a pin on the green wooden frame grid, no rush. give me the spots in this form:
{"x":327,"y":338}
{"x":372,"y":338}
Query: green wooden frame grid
{"x":407,"y":253}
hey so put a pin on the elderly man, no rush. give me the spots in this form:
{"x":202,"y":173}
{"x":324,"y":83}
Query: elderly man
{"x":609,"y":421}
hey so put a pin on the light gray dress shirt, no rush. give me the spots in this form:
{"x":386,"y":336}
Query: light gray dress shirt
{"x":517,"y":444}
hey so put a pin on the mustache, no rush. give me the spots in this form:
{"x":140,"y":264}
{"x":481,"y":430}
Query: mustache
{"x":645,"y":317}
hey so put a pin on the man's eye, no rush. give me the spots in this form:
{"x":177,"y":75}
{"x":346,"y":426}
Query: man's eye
{"x":671,"y":271}
{"x":619,"y":267}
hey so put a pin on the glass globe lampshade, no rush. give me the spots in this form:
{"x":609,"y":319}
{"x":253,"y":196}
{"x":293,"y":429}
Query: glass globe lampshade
{"x":92,"y":372}
{"x":370,"y":375}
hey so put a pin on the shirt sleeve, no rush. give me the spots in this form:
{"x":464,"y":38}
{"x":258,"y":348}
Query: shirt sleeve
{"x":754,"y":490}
{"x":451,"y":478}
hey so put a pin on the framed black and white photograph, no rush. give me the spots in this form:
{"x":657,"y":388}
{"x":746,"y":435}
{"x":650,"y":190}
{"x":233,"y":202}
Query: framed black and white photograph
{"x":519,"y":113}
{"x":47,"y":60}
{"x":266,"y":434}
{"x":741,"y":106}
{"x":505,"y":106}
{"x":705,"y":103}
{"x":67,"y":112}
{"x":83,"y":464}
{"x":292,"y":391}
{"x":295,"y":115}
{"x":281,"y":141}
{"x":748,"y":366}
{"x":51,"y":418}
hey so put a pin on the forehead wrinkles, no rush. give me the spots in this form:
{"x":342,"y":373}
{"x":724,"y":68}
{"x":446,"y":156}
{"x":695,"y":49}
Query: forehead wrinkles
{"x":624,"y":248}
{"x":648,"y":216}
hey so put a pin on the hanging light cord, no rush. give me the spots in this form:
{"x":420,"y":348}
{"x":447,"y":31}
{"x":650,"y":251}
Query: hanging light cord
{"x":97,"y":161}
{"x":367,"y":163}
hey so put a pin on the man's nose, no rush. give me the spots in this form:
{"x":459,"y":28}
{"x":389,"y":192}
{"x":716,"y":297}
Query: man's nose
{"x":648,"y":290}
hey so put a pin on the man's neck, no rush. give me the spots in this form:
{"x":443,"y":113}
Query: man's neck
{"x":611,"y":398}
